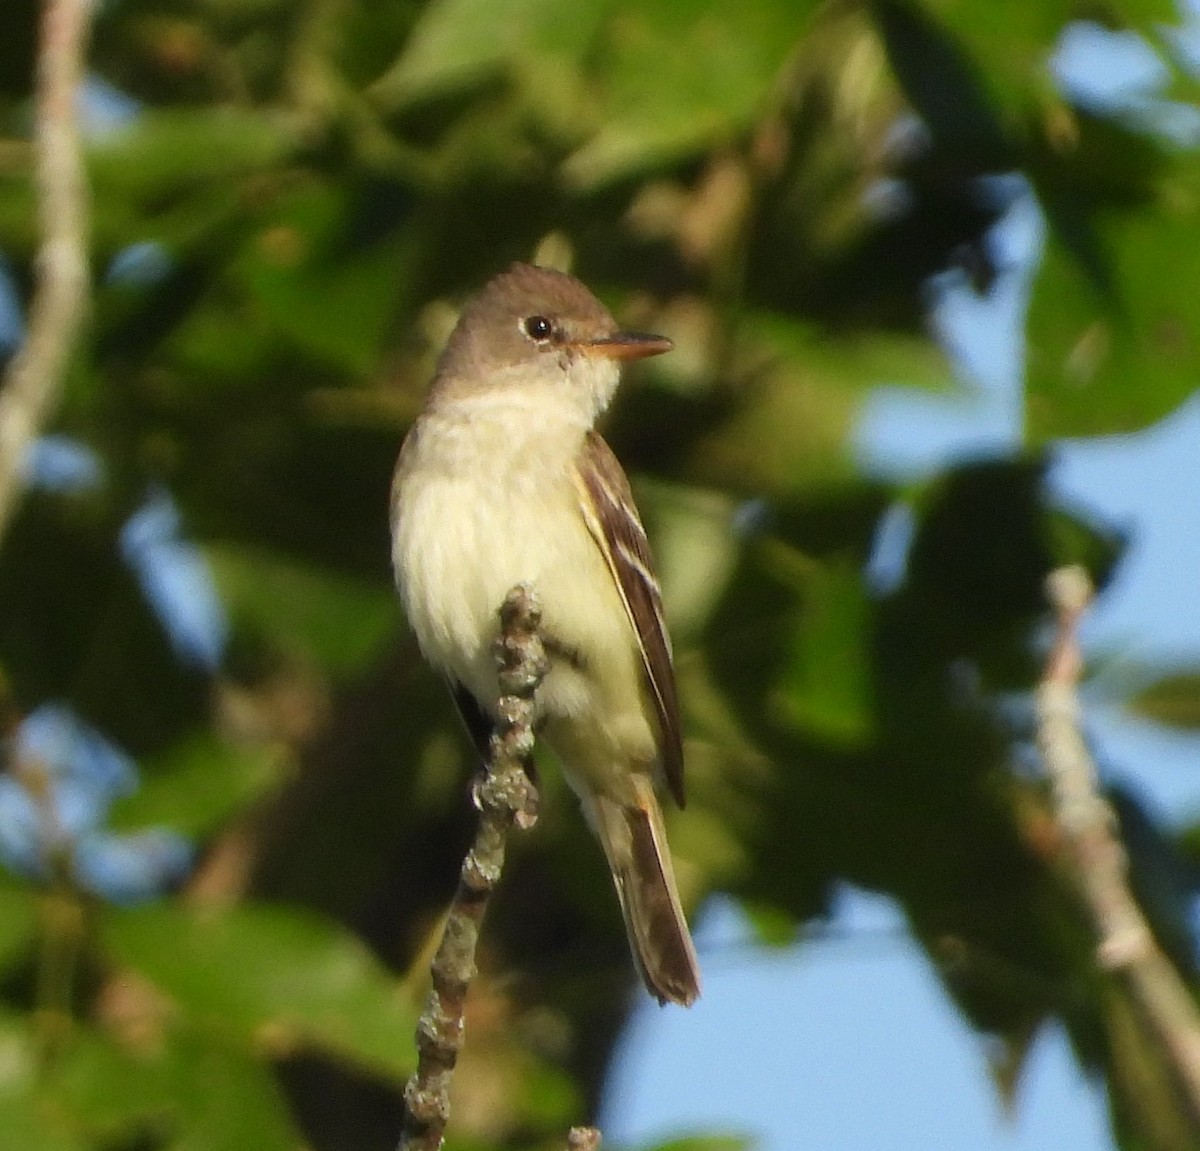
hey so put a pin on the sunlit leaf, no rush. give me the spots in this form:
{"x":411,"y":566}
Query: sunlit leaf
{"x":706,"y":1143}
{"x":29,"y":1117}
{"x":461,"y":42}
{"x":852,"y":363}
{"x":790,"y":426}
{"x":1012,"y":43}
{"x":791,"y":615}
{"x":201,"y":1088}
{"x":1117,"y":360}
{"x":679,"y":76}
{"x":271,"y":975}
{"x":1151,"y":1110}
{"x":826,"y":691}
{"x":771,"y":925}
{"x":1173,"y":700}
{"x":156,"y":156}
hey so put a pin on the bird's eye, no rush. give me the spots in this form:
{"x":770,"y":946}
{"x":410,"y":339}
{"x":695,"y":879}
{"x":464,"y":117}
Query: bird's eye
{"x":538,"y":328}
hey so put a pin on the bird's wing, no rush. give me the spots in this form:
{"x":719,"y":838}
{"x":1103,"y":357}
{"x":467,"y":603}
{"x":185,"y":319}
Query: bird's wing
{"x":612,"y":518}
{"x":478,"y":723}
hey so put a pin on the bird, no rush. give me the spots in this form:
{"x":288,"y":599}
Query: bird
{"x":502,"y":480}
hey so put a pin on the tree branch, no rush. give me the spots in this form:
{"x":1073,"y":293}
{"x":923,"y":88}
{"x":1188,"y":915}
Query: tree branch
{"x":1127,"y":947}
{"x":505,"y":795}
{"x":34,"y":377}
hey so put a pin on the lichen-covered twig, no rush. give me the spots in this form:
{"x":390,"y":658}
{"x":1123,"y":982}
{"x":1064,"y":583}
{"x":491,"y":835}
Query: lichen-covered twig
{"x":505,"y":795}
{"x":34,"y":377}
{"x":1127,"y":947}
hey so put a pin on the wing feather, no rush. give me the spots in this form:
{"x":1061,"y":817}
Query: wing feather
{"x":613,"y":520}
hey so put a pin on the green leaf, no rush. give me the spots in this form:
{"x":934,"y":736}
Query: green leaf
{"x":772,"y":926}
{"x":18,"y":216}
{"x":790,"y":641}
{"x":1010,"y":44}
{"x":680,"y":76}
{"x":272,"y":974}
{"x":114,"y":1091}
{"x":199,"y":784}
{"x":979,"y":73}
{"x":706,"y":1143}
{"x":156,"y":156}
{"x":30,"y":1119}
{"x":458,"y":43}
{"x":338,"y":311}
{"x":207,"y":1093}
{"x":313,"y":281}
{"x":230,"y":1102}
{"x":793,"y":419}
{"x":826,"y":691}
{"x":1150,"y":1109}
{"x":18,"y":48}
{"x":1115,"y":359}
{"x":18,"y":919}
{"x":942,"y":82}
{"x":29,"y":1122}
{"x":1173,"y":700}
{"x":851,"y":362}
{"x":340,"y":621}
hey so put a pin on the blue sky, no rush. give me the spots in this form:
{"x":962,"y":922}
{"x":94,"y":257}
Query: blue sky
{"x":842,"y":1043}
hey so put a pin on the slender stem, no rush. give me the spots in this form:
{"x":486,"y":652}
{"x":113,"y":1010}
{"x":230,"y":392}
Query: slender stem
{"x":504,"y":796}
{"x":34,"y":378}
{"x":1126,"y":945}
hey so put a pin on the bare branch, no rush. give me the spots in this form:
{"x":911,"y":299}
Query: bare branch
{"x":1127,"y":947}
{"x":504,"y":796}
{"x":34,"y":378}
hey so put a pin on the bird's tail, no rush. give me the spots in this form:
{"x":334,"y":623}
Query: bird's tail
{"x":635,"y":843}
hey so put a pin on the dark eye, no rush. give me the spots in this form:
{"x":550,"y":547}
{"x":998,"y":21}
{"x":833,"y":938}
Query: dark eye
{"x":538,"y":328}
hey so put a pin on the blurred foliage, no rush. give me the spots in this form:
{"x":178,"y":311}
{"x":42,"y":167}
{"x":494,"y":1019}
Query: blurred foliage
{"x":1173,"y":699}
{"x":281,"y":234}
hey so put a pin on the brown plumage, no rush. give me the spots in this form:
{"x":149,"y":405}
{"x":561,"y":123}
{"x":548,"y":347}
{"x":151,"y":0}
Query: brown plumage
{"x":504,"y":480}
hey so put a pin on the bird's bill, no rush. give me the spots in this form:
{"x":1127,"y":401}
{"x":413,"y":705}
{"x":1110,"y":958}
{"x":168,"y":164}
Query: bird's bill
{"x":629,"y":346}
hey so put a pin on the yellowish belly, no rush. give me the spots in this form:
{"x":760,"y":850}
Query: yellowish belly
{"x":460,"y":547}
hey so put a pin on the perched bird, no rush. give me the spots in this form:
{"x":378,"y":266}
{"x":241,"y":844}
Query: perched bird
{"x":502,"y":480}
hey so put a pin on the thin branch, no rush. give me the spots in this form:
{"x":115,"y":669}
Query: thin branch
{"x":504,"y":796}
{"x":1127,"y":947}
{"x":34,"y":378}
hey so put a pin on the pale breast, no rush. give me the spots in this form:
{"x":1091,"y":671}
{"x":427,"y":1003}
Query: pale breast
{"x":464,"y":536}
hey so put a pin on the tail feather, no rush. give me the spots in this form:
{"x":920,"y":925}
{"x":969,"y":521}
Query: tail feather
{"x":635,"y":843}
